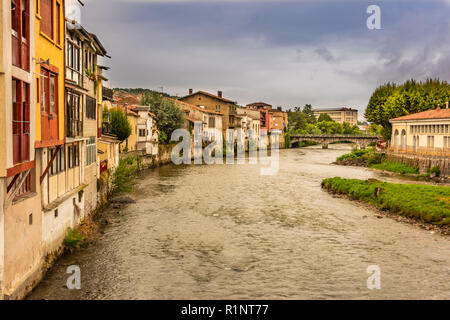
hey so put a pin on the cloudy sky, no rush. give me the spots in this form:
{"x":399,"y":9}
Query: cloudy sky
{"x":284,"y":52}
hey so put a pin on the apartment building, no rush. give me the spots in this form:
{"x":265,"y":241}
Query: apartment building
{"x":20,"y":214}
{"x":216,"y":103}
{"x":340,"y":115}
{"x":265,"y":117}
{"x":147,"y":138}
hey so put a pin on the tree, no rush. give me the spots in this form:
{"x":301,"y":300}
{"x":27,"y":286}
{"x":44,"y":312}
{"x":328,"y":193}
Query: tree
{"x":120,"y":126}
{"x":330,"y":127}
{"x":324,"y":117}
{"x":168,"y":115}
{"x":390,"y":100}
{"x":309,"y":114}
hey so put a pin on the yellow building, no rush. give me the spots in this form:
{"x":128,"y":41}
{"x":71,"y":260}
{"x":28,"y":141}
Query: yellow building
{"x":130,"y":144}
{"x":340,"y":115}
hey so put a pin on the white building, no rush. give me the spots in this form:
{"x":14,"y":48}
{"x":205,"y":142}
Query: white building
{"x":147,"y":138}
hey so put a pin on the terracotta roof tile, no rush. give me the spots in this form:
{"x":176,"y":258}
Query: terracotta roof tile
{"x":426,"y":115}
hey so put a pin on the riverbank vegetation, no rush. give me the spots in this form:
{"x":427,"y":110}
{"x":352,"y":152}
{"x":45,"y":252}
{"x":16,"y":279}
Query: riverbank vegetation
{"x":424,"y":202}
{"x":398,"y":167}
{"x":122,"y":179}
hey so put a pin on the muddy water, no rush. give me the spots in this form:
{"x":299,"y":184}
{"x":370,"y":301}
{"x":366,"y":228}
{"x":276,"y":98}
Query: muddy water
{"x":212,"y":232}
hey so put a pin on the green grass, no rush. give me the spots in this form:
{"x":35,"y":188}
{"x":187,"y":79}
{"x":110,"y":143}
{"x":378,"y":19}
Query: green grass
{"x":396,"y":167}
{"x":355,"y":154}
{"x":425,"y":202}
{"x":73,"y":239}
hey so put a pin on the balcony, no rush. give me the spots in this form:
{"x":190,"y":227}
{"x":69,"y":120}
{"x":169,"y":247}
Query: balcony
{"x":106,"y":123}
{"x":108,"y":94}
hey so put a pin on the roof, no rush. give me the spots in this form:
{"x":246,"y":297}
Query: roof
{"x":426,"y":115}
{"x":209,"y":95}
{"x":259,"y":104}
{"x":334,"y":109}
{"x":193,"y":106}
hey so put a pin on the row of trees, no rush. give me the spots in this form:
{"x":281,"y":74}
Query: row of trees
{"x":304,"y":121}
{"x":390,"y":100}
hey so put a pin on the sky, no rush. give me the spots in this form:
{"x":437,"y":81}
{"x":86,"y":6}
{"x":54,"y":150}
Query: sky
{"x":284,"y":52}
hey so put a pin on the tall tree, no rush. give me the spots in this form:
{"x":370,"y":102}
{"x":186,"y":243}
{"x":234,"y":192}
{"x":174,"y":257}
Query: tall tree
{"x":309,"y":114}
{"x":120,"y":126}
{"x":168,"y":115}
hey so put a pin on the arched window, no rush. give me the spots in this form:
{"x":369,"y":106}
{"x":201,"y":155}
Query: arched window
{"x":403,"y":139}
{"x":396,"y":138}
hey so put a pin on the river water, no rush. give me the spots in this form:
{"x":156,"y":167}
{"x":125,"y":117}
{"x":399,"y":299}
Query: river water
{"x":226,"y":232}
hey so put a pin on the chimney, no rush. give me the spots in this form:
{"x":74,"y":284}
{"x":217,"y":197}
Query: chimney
{"x":219,"y":94}
{"x":191,"y":91}
{"x":446,"y":105}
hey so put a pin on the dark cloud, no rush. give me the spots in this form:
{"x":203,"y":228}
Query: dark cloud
{"x":286,"y":52}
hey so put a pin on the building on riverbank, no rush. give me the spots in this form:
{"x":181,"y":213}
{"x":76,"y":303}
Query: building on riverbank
{"x":423,"y":139}
{"x":216,"y":103}
{"x":265,"y":118}
{"x":20,"y":194}
{"x":147,"y":138}
{"x":339,"y":115}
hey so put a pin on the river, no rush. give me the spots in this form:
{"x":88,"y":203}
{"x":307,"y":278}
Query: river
{"x":226,"y":232}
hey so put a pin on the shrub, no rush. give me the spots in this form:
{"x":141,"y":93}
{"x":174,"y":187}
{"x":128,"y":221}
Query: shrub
{"x":73,"y":239}
{"x":374,"y":158}
{"x":123,"y":176}
{"x":435,"y":170}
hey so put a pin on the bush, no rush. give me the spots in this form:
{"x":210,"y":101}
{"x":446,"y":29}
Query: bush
{"x":123,"y":176}
{"x":354,"y":154}
{"x":374,"y":158}
{"x":435,"y":170}
{"x":428,"y":203}
{"x":73,"y":239}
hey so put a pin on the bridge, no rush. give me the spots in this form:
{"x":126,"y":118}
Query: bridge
{"x":325,"y":139}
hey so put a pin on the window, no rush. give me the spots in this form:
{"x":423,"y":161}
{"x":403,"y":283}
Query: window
{"x":212,"y":122}
{"x":142,"y":132}
{"x":91,"y":108}
{"x":91,"y":148}
{"x":49,"y":84}
{"x":47,"y":17}
{"x":20,"y":31}
{"x":73,"y":155}
{"x":21,"y":121}
{"x":430,"y":141}
{"x":73,"y":67}
{"x":58,"y":164}
{"x":58,"y":23}
{"x":74,"y":124}
{"x":218,"y":108}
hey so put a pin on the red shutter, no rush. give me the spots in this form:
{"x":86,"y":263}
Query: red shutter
{"x":47,"y":17}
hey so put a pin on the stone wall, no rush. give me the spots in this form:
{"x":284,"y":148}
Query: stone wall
{"x":424,"y":162}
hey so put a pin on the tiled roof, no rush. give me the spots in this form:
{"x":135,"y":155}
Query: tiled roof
{"x":193,"y":106}
{"x":209,"y":95}
{"x":334,"y":109}
{"x":426,"y":115}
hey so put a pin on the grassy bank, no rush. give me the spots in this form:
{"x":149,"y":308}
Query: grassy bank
{"x":424,"y":202}
{"x":398,"y":167}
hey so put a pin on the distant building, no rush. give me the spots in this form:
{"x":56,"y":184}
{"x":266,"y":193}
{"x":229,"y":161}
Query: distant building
{"x":211,"y":120}
{"x":265,"y":117}
{"x":340,"y":115}
{"x":279,"y":119}
{"x":425,"y":132}
{"x":216,"y":103}
{"x":147,"y":138}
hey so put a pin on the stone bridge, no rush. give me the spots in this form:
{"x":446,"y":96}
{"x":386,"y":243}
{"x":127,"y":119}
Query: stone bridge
{"x":325,"y":139}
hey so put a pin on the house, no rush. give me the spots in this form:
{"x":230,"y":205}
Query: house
{"x":265,"y":116}
{"x":130,"y":144}
{"x":20,"y":169}
{"x":108,"y":146}
{"x":340,"y":115}
{"x":216,"y":103}
{"x":147,"y":138}
{"x":279,"y":119}
{"x":251,"y":119}
{"x":426,"y":132}
{"x":211,"y":120}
